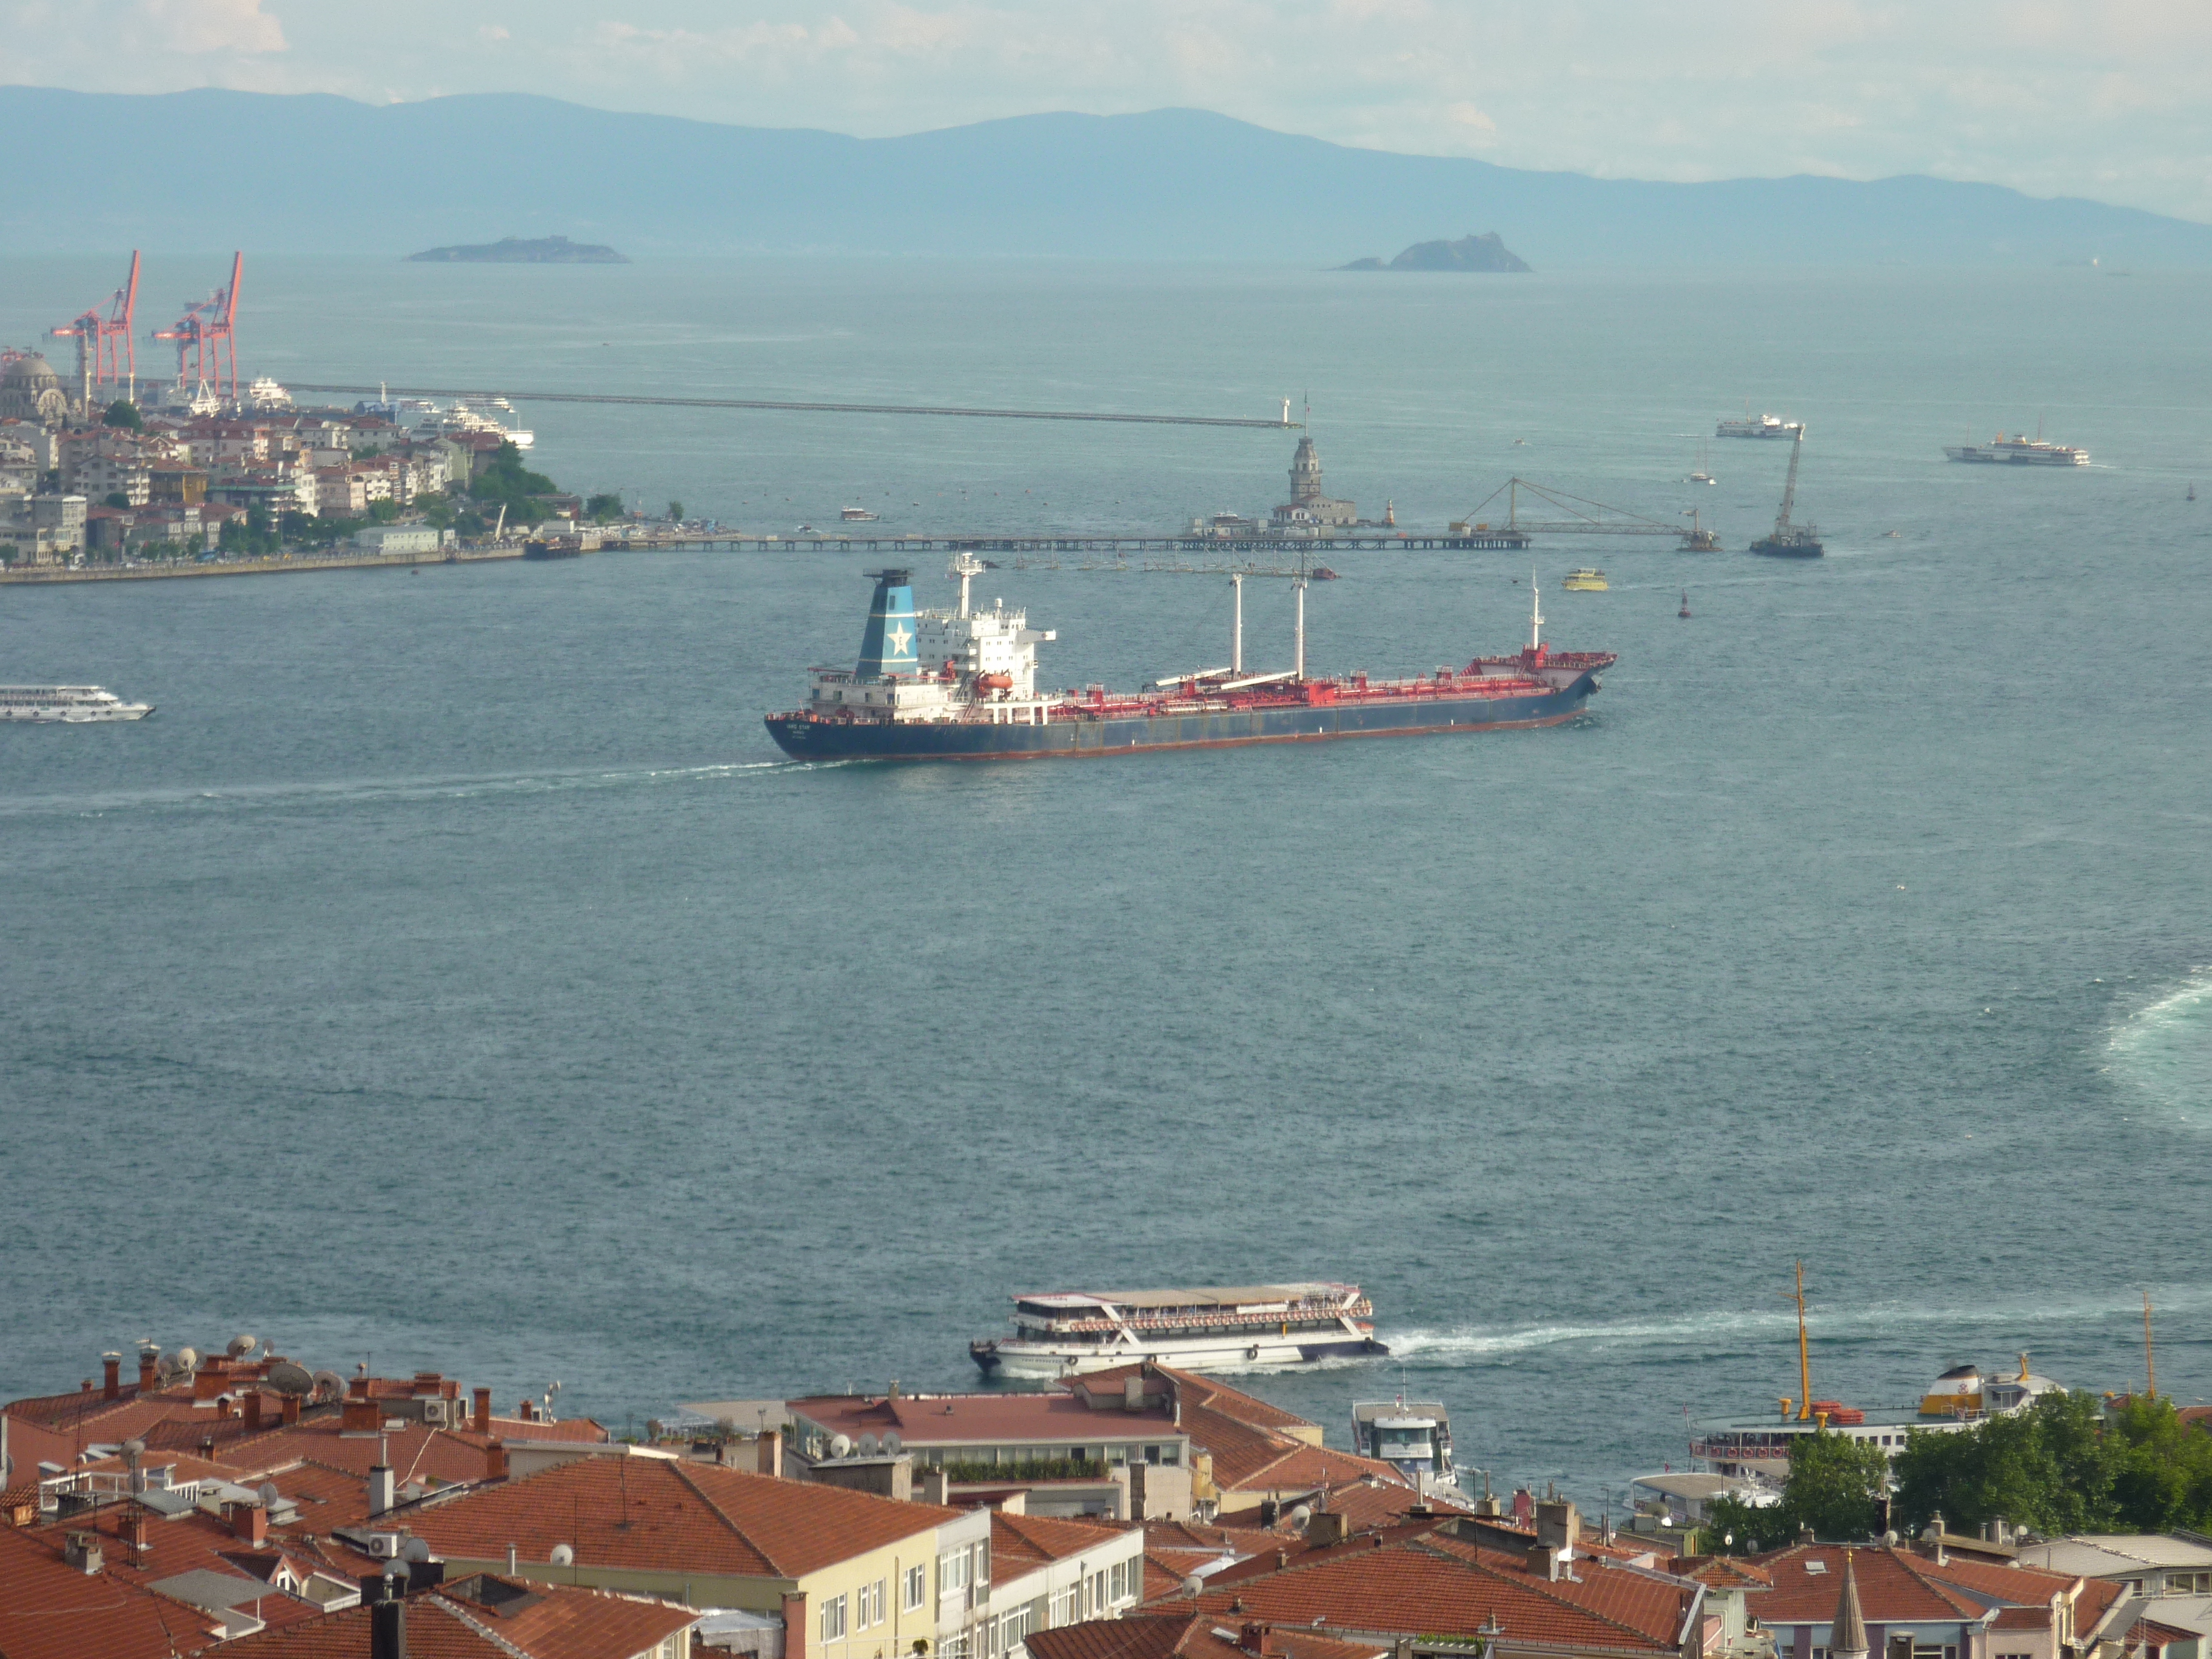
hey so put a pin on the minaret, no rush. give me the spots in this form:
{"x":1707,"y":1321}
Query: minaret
{"x":1847,"y":1636}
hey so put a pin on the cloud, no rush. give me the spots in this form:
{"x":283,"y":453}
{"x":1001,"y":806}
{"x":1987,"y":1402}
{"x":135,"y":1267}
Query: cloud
{"x":212,"y":26}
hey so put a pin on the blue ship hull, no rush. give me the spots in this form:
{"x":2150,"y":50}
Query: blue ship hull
{"x":807,"y":739}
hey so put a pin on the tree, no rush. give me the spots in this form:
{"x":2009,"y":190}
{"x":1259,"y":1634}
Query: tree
{"x":2049,"y":1465}
{"x":116,"y":498}
{"x":123,"y":413}
{"x":505,"y":480}
{"x":604,"y":508}
{"x":2162,"y":1473}
{"x":1835,"y":1487}
{"x":675,"y":511}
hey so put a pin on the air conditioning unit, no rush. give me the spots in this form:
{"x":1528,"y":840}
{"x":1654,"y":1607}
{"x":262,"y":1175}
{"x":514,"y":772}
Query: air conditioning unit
{"x":385,"y":1546}
{"x":434,"y":1411}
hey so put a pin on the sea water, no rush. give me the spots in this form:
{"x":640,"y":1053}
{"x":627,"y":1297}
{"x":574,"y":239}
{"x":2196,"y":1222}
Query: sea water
{"x":452,"y":975}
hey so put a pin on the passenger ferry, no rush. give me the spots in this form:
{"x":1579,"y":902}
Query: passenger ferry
{"x":1585,"y":580}
{"x":1766,"y":426}
{"x":1215,"y":1327}
{"x":1415,"y":1435}
{"x":2017,"y":451}
{"x":71,"y":704}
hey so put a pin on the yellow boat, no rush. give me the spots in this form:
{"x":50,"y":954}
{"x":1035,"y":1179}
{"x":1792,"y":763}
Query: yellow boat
{"x":1584,"y":581}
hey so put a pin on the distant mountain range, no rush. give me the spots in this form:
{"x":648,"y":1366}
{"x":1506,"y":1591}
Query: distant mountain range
{"x":313,"y":174}
{"x":521,"y":251}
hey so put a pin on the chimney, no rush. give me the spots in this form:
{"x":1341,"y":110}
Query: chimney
{"x":495,"y":1460}
{"x":148,"y":1359}
{"x":359,"y":1417}
{"x":1558,"y":1526}
{"x":1252,"y":1637}
{"x":936,"y":1488}
{"x":794,"y":1626}
{"x":253,"y":1411}
{"x":111,"y":1366}
{"x":81,"y":1550}
{"x":768,"y":1455}
{"x":379,"y":1483}
{"x":1544,"y":1562}
{"x":249,"y":1522}
{"x":387,"y":1623}
{"x":483,"y":1411}
{"x":1324,"y":1528}
{"x":134,"y":1522}
{"x":290,"y":1409}
{"x":1133,"y":1393}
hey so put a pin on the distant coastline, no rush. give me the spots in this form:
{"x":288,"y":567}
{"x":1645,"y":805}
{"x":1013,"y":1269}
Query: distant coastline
{"x":523,"y":250}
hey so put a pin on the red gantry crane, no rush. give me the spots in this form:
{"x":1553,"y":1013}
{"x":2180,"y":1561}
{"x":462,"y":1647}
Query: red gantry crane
{"x":107,"y":348}
{"x":206,"y":336}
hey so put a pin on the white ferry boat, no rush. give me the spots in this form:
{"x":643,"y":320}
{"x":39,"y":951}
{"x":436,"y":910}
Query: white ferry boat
{"x":1415,"y":1435}
{"x":1766,"y":426}
{"x":1215,"y":1328}
{"x":71,"y":704}
{"x":2017,"y":451}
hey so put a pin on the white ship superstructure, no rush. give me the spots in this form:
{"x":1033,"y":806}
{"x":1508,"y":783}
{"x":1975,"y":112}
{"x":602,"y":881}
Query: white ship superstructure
{"x":1414,"y":1434}
{"x":67,"y":704}
{"x":2016,"y":450}
{"x":1209,"y":1328}
{"x":1765,"y":425}
{"x":968,"y":663}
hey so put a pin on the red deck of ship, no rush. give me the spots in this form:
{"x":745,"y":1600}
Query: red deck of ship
{"x":1486,"y":676}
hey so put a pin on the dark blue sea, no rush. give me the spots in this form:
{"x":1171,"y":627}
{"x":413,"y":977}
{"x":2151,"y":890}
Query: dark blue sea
{"x":452,"y":975}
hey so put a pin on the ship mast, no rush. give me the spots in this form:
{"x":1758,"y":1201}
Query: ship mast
{"x":966,"y":566}
{"x":1236,"y":587}
{"x":1535,"y":614}
{"x":1790,"y":489}
{"x":1804,"y":1353}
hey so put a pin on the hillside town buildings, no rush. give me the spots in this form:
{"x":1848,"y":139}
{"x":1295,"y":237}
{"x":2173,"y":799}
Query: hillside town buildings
{"x":238,"y":1502}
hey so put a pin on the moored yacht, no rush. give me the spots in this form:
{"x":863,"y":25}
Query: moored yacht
{"x":68,"y":704}
{"x":1214,"y":1327}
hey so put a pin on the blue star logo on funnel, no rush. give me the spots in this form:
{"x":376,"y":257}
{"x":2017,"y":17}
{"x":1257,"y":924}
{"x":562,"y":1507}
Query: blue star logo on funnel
{"x":887,"y":646}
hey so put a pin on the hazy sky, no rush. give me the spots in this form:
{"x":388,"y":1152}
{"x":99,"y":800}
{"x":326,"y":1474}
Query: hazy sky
{"x":2111,"y":99}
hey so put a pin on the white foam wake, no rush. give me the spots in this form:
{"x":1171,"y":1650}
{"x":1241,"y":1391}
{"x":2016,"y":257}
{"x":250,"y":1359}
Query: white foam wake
{"x":2165,"y":1049}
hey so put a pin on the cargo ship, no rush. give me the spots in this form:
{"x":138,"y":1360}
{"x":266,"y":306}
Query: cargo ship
{"x":1215,"y":1327}
{"x":1766,"y":426}
{"x":961,"y":685}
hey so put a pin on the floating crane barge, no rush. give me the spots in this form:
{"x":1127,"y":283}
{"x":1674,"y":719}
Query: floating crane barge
{"x":961,"y":685}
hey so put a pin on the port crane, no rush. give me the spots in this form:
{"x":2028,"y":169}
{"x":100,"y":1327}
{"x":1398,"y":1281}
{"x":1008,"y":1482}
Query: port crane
{"x":1583,"y":515}
{"x":206,"y":336}
{"x":107,"y":349}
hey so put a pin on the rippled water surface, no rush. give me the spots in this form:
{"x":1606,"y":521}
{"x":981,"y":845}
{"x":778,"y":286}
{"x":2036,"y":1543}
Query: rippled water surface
{"x":452,"y":973}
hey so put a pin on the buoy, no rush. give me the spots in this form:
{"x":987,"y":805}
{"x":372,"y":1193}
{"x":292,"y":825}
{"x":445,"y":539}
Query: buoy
{"x":1685,"y":611}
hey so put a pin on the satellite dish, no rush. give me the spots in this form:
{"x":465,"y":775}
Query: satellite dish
{"x":269,"y":1495}
{"x":328,"y":1385}
{"x":188,"y":1358}
{"x":892,"y":1443}
{"x":288,"y":1378}
{"x":415,"y":1549}
{"x":841,"y":1445}
{"x":240,"y":1346}
{"x":1300,"y":1516}
{"x":1193,"y":1584}
{"x":867,"y":1446}
{"x":564,"y":1555}
{"x":133,"y":1450}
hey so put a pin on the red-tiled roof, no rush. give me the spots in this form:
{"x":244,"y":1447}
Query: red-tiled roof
{"x":655,"y":1514}
{"x":1891,"y":1587}
{"x":51,"y":1610}
{"x":1723,"y":1571}
{"x":2037,"y":1618}
{"x":1168,"y":1636}
{"x":550,"y":1622}
{"x":1433,"y":1586}
{"x":1026,"y":1541}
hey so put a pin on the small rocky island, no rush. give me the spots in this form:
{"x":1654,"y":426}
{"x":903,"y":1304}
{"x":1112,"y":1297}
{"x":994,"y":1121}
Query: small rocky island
{"x":1468,"y":254}
{"x":525,"y":251}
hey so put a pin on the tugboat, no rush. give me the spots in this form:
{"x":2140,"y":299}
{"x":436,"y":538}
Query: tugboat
{"x":962,"y":684}
{"x":1415,"y":1435}
{"x":1788,"y":540}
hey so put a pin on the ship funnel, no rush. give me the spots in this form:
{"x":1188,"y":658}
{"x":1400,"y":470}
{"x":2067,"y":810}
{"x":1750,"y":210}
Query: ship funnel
{"x":888,"y":645}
